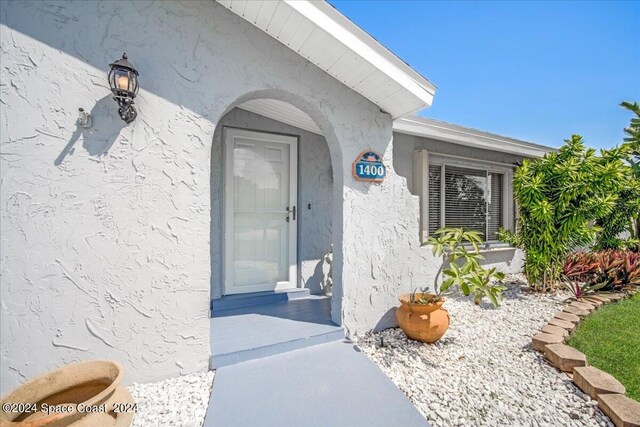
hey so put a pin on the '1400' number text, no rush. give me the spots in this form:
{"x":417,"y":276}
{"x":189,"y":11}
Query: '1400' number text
{"x":370,"y":169}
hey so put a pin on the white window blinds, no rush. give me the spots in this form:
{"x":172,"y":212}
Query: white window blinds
{"x":464,"y":202}
{"x":495,"y":219}
{"x":473,"y":199}
{"x":435,"y":198}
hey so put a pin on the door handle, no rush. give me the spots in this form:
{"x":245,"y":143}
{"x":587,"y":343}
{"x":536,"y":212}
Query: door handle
{"x":293,"y":211}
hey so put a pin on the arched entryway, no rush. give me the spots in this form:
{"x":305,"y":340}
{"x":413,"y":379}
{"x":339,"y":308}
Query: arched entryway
{"x":276,"y":215}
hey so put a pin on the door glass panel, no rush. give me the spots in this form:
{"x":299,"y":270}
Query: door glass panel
{"x":261,"y":198}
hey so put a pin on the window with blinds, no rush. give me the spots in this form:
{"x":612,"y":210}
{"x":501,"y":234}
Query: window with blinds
{"x":473,"y":200}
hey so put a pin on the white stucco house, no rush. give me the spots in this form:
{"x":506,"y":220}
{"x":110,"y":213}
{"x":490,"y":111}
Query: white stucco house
{"x":237,"y":176}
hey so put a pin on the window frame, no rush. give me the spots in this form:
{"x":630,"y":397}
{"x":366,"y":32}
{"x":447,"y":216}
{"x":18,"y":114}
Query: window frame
{"x":423,"y":160}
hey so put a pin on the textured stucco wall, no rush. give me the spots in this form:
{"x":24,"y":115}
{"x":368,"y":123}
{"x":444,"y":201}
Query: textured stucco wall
{"x":315,"y":188}
{"x":106,"y":231}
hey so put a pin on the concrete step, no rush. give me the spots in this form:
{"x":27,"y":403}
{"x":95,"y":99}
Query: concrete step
{"x":247,"y":333}
{"x":219,"y":360}
{"x":258,"y":298}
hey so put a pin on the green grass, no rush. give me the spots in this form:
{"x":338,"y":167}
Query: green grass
{"x":610,"y":337}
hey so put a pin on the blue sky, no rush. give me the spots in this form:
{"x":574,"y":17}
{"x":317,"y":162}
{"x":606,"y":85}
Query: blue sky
{"x":538,"y":71}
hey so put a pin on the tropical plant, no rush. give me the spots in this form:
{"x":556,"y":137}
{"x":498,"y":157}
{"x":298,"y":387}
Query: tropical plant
{"x":625,"y":216}
{"x":633,"y":139}
{"x":423,"y":300}
{"x":576,"y":273}
{"x":460,"y":253}
{"x":631,"y":244}
{"x":580,"y":266}
{"x":560,"y":197}
{"x":617,"y":269}
{"x":579,"y":290}
{"x":572,"y":198}
{"x":606,"y":270}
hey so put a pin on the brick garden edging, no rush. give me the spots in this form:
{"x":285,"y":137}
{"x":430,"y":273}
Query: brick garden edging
{"x":599,"y":385}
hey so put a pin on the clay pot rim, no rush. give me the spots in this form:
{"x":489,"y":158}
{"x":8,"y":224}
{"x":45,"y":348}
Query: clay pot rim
{"x":103,"y":395}
{"x":405,"y":299}
{"x":421,"y":309}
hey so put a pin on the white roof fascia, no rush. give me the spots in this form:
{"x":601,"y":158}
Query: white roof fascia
{"x":419,"y":92}
{"x":442,"y":131}
{"x":353,"y":37}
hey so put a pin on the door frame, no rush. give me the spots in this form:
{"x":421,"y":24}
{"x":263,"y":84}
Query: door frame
{"x":229,"y":134}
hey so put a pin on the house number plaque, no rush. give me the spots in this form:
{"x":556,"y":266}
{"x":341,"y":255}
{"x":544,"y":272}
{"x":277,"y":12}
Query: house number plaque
{"x":368,"y":167}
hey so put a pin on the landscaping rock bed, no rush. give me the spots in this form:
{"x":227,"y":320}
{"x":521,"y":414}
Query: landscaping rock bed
{"x":484,"y":371}
{"x":179,"y":401}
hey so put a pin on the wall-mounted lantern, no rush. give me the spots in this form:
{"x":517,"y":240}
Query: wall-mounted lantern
{"x":123,"y":79}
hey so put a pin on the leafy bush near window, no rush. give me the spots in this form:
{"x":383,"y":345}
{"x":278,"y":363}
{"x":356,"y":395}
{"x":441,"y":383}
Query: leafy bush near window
{"x":459,"y":249}
{"x":611,"y":270}
{"x":564,"y":196}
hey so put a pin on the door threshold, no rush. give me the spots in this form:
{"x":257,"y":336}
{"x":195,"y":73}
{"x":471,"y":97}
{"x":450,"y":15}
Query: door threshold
{"x":258,"y":298}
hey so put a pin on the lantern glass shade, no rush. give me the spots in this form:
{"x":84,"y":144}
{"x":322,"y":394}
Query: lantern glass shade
{"x":123,"y":78}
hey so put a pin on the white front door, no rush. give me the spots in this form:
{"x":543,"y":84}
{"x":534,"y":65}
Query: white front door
{"x":260,"y":211}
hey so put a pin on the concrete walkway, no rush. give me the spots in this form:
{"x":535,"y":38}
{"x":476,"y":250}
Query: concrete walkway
{"x":241,"y":334}
{"x":331,"y":384}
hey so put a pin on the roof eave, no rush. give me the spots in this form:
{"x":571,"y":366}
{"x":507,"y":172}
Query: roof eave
{"x":424,"y":89}
{"x":415,"y":91}
{"x":441,"y":131}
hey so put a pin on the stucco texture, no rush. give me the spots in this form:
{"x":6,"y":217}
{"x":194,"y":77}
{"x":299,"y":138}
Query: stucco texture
{"x":106,"y":232}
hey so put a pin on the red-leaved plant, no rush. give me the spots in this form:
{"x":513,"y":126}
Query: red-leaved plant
{"x":586,"y":272}
{"x":577,"y":273}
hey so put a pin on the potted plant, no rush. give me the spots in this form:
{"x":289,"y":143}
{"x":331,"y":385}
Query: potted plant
{"x":421,"y":315}
{"x":84,"y":394}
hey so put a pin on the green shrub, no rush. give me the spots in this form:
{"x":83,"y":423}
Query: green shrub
{"x":460,"y":253}
{"x":625,"y":216}
{"x":570,"y":197}
{"x":559,"y":196}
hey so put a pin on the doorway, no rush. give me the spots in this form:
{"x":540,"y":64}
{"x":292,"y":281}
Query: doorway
{"x":260,"y":199}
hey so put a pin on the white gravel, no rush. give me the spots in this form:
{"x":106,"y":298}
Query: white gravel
{"x":179,"y":401}
{"x":483,"y":371}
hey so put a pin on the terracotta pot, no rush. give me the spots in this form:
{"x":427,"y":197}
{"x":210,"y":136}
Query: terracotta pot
{"x":422,"y":322}
{"x":95,"y":384}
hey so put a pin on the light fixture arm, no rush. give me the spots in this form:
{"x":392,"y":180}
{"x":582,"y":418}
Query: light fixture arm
{"x":126,"y":109}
